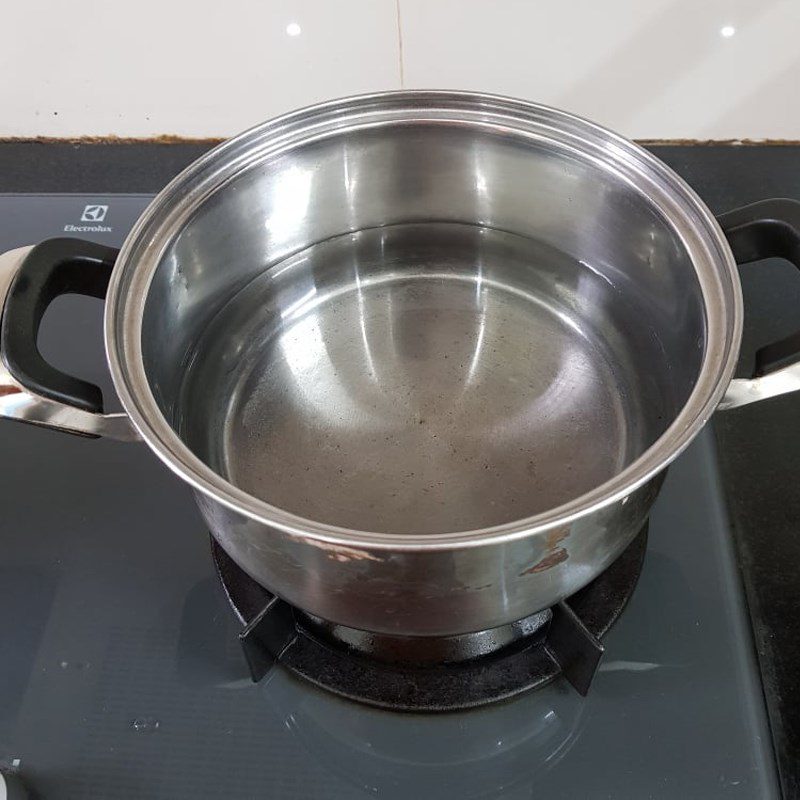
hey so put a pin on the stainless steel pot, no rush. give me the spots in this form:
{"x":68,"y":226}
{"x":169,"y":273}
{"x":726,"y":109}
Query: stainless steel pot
{"x":423,"y":356}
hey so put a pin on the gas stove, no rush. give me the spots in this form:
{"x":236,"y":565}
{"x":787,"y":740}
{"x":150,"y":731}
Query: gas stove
{"x":123,"y":676}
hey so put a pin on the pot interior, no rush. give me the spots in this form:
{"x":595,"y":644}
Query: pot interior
{"x":423,"y":328}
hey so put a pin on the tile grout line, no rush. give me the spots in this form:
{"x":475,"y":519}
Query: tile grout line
{"x":400,"y":44}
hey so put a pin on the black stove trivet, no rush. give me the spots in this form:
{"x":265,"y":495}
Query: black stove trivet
{"x":417,"y":674}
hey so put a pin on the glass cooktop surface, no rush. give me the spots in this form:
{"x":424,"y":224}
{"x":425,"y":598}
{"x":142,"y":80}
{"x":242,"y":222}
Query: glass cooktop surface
{"x":121,"y":674}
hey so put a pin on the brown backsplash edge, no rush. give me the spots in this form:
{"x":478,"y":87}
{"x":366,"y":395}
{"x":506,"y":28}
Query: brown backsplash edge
{"x":210,"y":141}
{"x":164,"y":138}
{"x":717,"y":142}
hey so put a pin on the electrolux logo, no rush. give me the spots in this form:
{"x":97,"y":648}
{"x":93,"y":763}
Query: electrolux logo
{"x":92,"y":214}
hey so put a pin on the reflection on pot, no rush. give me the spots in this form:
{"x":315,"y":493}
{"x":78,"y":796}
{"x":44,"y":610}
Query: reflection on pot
{"x":480,"y":753}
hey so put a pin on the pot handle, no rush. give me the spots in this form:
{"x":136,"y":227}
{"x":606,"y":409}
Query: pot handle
{"x":31,"y":390}
{"x":766,"y":229}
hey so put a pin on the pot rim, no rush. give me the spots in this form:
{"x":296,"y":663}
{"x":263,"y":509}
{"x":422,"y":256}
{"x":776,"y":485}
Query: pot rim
{"x":689,"y":217}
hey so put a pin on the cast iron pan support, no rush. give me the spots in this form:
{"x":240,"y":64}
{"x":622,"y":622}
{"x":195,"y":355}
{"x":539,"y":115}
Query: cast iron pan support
{"x":568,"y":644}
{"x":267,"y":637}
{"x":573,"y":647}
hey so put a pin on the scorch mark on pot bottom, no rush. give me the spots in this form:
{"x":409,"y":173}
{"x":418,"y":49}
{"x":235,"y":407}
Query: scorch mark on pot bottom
{"x":343,"y":554}
{"x":549,"y":561}
{"x":555,"y":555}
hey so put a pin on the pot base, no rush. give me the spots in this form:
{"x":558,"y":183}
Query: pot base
{"x":410,"y":673}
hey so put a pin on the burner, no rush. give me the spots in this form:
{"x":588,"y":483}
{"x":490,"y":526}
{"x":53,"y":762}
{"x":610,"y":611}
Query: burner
{"x":414,"y":673}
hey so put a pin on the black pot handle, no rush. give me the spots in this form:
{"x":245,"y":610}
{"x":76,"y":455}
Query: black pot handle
{"x":766,"y":229}
{"x":31,"y":389}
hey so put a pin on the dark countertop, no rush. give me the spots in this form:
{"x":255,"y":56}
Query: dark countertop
{"x":759,"y":446}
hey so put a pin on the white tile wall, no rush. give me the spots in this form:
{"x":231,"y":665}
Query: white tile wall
{"x":201,"y":68}
{"x":655,"y":69}
{"x":658,"y":69}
